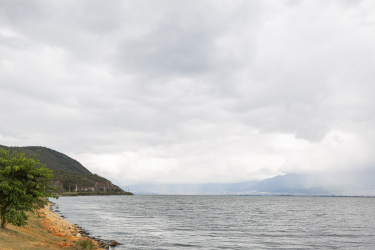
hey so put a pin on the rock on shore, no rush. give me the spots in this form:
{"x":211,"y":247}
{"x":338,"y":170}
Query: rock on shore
{"x":59,"y":226}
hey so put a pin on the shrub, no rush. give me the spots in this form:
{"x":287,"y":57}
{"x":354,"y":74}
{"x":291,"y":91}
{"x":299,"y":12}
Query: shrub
{"x":85,"y":244}
{"x":24,"y":185}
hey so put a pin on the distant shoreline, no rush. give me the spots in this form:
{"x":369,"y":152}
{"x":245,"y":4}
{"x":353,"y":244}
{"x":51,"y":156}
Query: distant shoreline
{"x":92,"y":194}
{"x":265,"y":195}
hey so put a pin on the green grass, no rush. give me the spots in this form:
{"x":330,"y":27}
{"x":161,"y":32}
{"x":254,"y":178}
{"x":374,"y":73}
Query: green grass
{"x":31,"y":237}
{"x":85,"y":244}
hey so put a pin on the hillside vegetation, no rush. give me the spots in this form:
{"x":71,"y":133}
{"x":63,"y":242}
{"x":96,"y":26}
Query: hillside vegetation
{"x":54,"y":160}
{"x":68,"y":179}
{"x":68,"y":173}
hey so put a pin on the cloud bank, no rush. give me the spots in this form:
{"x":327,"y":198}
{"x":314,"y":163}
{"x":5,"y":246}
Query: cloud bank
{"x":191,"y":91}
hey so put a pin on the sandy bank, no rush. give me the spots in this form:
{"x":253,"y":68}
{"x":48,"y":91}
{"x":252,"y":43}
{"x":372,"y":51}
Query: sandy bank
{"x":34,"y":236}
{"x":58,"y":226}
{"x":45,"y":230}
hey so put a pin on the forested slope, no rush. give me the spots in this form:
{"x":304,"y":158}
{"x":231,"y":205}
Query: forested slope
{"x":68,"y":173}
{"x":54,"y":160}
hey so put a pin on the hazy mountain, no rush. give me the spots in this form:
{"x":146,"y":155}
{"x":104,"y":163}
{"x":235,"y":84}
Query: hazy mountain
{"x":290,"y":183}
{"x":208,"y":188}
{"x":361,"y":182}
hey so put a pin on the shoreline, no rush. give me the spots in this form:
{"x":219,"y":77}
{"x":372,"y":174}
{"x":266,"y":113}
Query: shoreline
{"x":91,"y":194}
{"x":55,"y":224}
{"x":45,"y":230}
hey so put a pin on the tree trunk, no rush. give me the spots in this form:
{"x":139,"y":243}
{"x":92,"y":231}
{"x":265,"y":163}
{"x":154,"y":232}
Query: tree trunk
{"x":2,"y":217}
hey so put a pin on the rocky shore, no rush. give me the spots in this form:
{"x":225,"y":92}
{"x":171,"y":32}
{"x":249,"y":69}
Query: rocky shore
{"x":57,"y":225}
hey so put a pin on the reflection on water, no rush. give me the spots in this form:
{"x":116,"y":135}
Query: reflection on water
{"x":225,"y":222}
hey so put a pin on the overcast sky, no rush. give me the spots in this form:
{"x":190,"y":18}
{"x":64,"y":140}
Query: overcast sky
{"x":191,"y":91}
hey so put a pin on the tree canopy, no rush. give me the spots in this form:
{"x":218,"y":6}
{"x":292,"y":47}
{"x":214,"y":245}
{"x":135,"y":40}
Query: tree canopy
{"x":24,"y":183}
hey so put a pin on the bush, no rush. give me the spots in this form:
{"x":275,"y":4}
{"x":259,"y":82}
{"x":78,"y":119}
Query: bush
{"x":24,"y":185}
{"x":41,"y":202}
{"x":85,"y":244}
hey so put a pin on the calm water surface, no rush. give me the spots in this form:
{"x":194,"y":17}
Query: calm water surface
{"x":226,"y":222}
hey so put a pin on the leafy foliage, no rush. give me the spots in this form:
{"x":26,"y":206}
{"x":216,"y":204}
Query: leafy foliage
{"x":73,"y":179}
{"x":23,"y":182}
{"x":54,"y":160}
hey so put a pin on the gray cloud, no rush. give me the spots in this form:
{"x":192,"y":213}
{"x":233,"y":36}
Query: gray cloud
{"x":198,"y":91}
{"x":170,"y":49}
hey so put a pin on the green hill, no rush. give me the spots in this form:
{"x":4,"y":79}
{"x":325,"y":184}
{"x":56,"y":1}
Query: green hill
{"x":54,"y":160}
{"x":68,"y":173}
{"x":68,"y":179}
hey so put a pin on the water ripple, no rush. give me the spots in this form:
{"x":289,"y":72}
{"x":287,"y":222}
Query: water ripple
{"x":226,"y":222}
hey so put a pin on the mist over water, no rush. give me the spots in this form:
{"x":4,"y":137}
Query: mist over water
{"x":340,"y":183}
{"x":226,"y":222}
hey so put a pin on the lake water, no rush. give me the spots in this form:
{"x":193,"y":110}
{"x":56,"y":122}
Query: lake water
{"x":226,"y":222}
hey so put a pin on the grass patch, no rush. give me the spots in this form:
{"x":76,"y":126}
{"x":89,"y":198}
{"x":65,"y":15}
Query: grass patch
{"x":31,"y":237}
{"x":85,"y":244}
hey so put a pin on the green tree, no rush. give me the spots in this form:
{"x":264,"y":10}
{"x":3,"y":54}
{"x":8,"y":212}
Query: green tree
{"x":24,"y":183}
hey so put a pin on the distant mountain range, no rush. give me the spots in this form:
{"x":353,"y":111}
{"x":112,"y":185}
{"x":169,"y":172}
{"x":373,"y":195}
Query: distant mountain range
{"x":361,"y":182}
{"x":208,"y":188}
{"x":70,"y":172}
